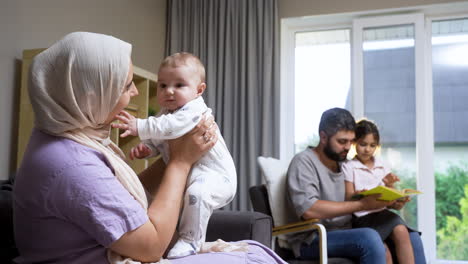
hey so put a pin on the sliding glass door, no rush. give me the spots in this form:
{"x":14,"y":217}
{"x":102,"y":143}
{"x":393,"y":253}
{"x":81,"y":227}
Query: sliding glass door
{"x":385,"y":88}
{"x":449,"y":50}
{"x":409,"y":74}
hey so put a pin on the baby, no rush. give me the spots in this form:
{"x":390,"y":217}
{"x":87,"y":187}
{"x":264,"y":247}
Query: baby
{"x":212,"y":180}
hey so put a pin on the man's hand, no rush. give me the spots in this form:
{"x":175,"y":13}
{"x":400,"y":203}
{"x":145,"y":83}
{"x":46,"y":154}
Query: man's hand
{"x":141,"y":151}
{"x":129,"y":124}
{"x":371,"y":202}
{"x":390,"y":180}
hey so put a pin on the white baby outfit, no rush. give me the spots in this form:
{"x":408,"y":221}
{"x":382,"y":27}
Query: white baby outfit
{"x":365,"y":178}
{"x":212,"y":181}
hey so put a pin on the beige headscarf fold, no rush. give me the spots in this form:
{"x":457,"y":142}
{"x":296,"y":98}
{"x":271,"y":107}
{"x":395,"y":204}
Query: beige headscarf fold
{"x":73,"y":87}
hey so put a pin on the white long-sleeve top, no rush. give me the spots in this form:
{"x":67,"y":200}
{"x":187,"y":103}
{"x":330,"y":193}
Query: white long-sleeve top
{"x":154,"y":131}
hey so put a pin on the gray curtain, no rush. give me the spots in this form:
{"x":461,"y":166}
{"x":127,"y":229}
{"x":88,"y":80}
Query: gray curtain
{"x":238,"y":41}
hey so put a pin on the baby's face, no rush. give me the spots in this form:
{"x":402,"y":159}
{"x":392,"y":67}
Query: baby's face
{"x":177,"y":86}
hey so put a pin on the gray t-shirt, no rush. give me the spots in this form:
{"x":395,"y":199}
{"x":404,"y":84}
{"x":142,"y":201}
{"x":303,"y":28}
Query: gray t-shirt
{"x":309,"y":181}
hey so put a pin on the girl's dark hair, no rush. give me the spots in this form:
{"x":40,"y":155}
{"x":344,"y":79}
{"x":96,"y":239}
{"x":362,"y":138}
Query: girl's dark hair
{"x":365,"y":127}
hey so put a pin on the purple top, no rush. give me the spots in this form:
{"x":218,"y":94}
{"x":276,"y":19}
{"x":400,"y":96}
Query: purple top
{"x":68,"y":205}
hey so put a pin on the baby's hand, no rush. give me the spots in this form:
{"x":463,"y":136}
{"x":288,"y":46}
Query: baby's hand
{"x":141,"y":151}
{"x":390,"y":180}
{"x":129,"y":124}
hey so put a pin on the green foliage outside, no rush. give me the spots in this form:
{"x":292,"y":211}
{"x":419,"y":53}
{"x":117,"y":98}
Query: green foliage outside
{"x":451,"y":210}
{"x":449,"y":191}
{"x":452,"y":239}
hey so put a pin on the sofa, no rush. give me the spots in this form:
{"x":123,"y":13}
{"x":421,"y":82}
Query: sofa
{"x":223,"y":224}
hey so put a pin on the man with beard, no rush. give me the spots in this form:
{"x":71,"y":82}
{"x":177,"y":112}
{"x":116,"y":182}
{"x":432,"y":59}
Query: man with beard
{"x":316,"y":189}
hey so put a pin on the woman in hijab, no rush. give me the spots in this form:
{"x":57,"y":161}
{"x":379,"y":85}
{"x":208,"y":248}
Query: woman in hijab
{"x":75,"y":198}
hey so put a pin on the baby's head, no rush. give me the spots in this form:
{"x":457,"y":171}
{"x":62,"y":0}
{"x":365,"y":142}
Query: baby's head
{"x":367,"y":139}
{"x":181,"y":78}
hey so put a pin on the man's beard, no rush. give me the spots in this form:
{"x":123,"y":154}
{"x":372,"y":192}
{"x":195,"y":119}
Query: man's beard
{"x":332,"y":154}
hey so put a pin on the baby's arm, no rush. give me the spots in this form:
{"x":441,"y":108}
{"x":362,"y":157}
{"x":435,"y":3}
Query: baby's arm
{"x":143,"y":150}
{"x":169,"y":126}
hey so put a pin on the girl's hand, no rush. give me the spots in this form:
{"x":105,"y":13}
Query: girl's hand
{"x":141,"y":151}
{"x":400,"y":203}
{"x":390,"y":179}
{"x":129,"y":124}
{"x":192,"y":146}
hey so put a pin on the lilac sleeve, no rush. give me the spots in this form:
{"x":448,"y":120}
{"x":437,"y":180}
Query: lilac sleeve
{"x":90,"y":196}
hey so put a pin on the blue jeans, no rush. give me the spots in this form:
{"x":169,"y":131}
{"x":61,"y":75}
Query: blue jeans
{"x":360,"y":244}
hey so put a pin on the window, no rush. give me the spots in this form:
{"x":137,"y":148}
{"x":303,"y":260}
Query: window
{"x":408,"y":73}
{"x":450,"y":88}
{"x":320,"y":57}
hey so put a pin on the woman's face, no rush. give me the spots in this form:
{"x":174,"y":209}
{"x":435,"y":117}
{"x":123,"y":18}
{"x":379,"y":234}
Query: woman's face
{"x":129,"y":91}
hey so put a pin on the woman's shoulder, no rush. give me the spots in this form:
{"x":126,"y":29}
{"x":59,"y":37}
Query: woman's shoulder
{"x":51,"y":162}
{"x":48,"y":154}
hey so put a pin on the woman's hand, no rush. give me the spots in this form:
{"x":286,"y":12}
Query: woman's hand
{"x":192,"y":146}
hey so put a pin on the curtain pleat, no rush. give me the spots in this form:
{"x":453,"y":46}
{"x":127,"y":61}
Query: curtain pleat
{"x":238,"y":42}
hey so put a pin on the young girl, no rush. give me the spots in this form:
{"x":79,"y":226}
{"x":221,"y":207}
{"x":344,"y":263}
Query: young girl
{"x":366,"y":171}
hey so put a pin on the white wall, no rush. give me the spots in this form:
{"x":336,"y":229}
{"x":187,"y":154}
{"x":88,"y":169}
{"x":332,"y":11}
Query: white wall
{"x":28,"y":24}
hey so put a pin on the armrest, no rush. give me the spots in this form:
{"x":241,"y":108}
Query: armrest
{"x":240,"y":225}
{"x":311,"y":224}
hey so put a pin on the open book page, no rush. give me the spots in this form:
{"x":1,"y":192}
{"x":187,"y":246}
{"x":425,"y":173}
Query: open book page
{"x":388,"y":194}
{"x":410,"y":192}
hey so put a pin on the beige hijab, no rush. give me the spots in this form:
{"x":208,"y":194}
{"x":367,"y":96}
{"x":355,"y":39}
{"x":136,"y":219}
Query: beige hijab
{"x":73,"y":86}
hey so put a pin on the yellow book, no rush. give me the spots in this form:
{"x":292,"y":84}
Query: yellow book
{"x":388,"y":194}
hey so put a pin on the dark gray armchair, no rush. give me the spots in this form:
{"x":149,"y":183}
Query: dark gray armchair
{"x":259,"y":199}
